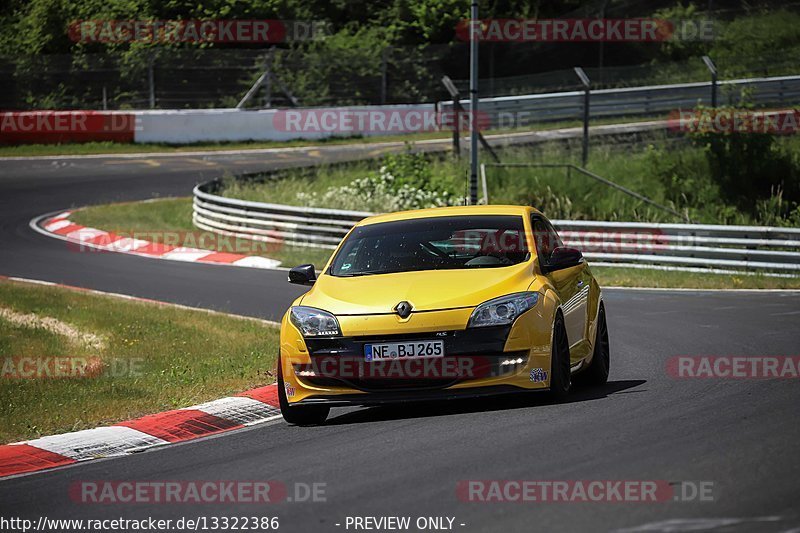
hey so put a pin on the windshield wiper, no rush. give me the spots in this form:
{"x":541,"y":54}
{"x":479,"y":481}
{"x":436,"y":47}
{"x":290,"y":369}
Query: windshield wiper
{"x":364,"y":273}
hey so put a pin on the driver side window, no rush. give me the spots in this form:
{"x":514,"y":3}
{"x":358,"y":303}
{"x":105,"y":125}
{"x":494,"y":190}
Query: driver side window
{"x":545,"y":238}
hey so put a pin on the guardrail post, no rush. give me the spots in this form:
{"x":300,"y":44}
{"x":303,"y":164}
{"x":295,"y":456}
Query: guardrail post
{"x":587,"y":84}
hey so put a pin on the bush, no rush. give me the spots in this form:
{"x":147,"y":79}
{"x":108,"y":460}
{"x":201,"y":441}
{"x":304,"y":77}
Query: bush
{"x":748,"y":167}
{"x":684,"y":176}
{"x":403,"y":182}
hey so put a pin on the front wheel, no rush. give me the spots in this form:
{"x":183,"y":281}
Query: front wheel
{"x":560,"y":377}
{"x":299,"y":415}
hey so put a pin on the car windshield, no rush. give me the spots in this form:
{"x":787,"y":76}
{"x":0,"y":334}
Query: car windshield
{"x":434,"y":243}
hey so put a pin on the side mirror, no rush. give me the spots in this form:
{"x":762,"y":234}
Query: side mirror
{"x":303,"y":275}
{"x":562,"y":258}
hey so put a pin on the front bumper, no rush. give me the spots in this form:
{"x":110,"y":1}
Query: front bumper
{"x":477,"y":362}
{"x":470,"y":354}
{"x":480,"y":361}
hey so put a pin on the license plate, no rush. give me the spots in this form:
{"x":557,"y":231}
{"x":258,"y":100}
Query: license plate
{"x":403,"y":350}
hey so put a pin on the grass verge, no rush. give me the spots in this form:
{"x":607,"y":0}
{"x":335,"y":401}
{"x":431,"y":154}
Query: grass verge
{"x":154,"y":358}
{"x":634,"y":277}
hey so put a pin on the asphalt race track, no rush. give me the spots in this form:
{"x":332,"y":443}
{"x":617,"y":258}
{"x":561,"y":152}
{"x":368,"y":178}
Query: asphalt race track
{"x":740,"y":435}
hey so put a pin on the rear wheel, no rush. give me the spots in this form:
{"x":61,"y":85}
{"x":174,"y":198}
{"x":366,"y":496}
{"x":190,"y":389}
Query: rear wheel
{"x":560,"y":378}
{"x":299,"y":415}
{"x":597,"y":373}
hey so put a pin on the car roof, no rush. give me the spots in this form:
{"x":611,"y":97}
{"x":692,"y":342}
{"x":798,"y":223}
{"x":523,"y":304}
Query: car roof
{"x":461,"y":210}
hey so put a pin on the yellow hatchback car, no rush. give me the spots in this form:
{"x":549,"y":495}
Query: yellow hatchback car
{"x":437,"y":304}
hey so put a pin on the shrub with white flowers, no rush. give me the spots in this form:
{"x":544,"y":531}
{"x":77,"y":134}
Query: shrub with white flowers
{"x":381,"y":193}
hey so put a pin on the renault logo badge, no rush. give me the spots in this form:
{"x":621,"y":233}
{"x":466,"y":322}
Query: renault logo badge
{"x":403,"y":309}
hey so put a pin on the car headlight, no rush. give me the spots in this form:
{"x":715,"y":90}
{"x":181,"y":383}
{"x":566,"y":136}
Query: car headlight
{"x":503,"y":310}
{"x":314,"y":322}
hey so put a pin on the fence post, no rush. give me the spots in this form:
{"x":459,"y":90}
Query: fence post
{"x":456,"y":133}
{"x":473,"y":103}
{"x":384,"y":61}
{"x":151,"y":82}
{"x":454,"y":94}
{"x":713,"y":69}
{"x":587,"y":84}
{"x":483,"y":184}
{"x":268,"y":79}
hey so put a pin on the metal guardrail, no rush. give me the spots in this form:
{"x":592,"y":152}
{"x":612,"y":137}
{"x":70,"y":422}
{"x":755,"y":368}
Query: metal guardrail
{"x":277,"y":223}
{"x":645,"y":245}
{"x":519,"y":111}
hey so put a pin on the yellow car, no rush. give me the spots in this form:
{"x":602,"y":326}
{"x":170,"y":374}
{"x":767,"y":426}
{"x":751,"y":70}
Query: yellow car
{"x":441,"y":303}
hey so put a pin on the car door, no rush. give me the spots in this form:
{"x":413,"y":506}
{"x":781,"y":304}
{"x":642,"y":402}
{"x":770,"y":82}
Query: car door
{"x":572,"y":284}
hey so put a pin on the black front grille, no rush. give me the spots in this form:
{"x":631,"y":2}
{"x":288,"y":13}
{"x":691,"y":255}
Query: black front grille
{"x":474,"y":341}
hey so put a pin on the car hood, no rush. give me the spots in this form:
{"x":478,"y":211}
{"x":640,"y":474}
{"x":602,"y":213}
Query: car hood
{"x":428,"y":290}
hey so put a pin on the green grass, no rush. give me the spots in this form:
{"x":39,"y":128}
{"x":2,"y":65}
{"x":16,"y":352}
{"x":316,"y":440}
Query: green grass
{"x":285,"y":189}
{"x":634,"y":277}
{"x":181,"y":358}
{"x":548,"y":189}
{"x":171,"y":218}
{"x":90,"y":148}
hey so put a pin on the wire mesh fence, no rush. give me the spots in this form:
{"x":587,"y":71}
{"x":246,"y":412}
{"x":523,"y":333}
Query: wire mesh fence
{"x":214,"y":78}
{"x":613,"y":77}
{"x":171,"y":78}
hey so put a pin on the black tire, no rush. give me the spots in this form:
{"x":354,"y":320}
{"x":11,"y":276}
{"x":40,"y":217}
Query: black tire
{"x":299,"y":415}
{"x":597,"y":373}
{"x":560,"y":377}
